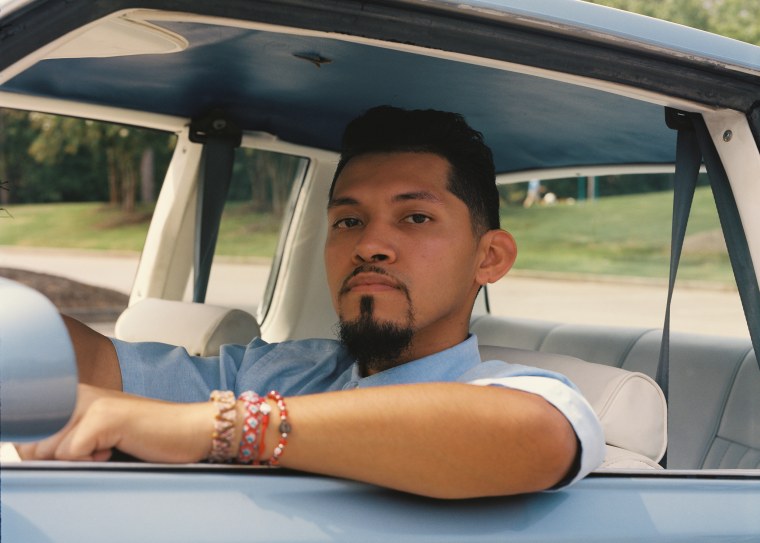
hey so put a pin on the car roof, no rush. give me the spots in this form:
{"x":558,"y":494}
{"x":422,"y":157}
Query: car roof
{"x":300,"y":71}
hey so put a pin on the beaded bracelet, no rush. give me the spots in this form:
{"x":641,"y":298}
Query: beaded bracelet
{"x":284,"y":428}
{"x":224,"y":425}
{"x":252,"y":446}
{"x":252,"y":404}
{"x":264,"y":409}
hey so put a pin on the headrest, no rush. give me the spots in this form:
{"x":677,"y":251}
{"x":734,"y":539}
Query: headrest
{"x":630,"y":405}
{"x":199,"y":328}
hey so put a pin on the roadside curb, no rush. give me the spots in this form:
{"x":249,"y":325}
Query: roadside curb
{"x":114,"y":253}
{"x":57,"y":251}
{"x":620,"y":280}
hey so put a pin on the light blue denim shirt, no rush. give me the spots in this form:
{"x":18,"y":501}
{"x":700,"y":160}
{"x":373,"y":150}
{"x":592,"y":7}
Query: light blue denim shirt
{"x":298,"y":367}
{"x":311,"y":366}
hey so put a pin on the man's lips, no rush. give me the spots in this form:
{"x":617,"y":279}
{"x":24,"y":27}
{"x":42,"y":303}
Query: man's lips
{"x":371,"y":278}
{"x":369,"y":282}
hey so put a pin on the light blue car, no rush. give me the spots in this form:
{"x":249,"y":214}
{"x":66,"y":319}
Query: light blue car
{"x":559,"y":88}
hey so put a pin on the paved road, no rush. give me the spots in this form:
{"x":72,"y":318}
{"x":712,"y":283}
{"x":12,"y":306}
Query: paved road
{"x":625,"y":304}
{"x":697,"y":310}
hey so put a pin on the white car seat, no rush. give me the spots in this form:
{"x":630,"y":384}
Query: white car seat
{"x":199,"y":328}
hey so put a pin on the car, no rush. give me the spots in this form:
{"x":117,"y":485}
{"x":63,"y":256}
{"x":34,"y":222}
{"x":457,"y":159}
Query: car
{"x":560,"y":89}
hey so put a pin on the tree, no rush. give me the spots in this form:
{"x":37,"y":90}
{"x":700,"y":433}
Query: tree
{"x":118,"y":151}
{"x":738,"y":19}
{"x":271,"y":181}
{"x":15,"y":137}
{"x":4,"y":199}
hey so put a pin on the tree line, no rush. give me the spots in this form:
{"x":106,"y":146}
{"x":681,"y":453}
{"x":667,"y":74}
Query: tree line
{"x":738,"y":19}
{"x":49,"y":158}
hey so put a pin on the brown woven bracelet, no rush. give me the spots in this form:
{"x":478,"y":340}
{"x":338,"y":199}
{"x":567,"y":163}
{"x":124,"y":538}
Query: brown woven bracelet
{"x":224,"y":425}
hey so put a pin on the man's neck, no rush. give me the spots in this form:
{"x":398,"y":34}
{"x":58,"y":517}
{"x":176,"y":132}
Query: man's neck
{"x":417,"y":350}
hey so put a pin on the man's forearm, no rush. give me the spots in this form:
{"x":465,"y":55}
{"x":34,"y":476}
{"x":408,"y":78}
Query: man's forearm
{"x":97,"y":362}
{"x":445,"y":440}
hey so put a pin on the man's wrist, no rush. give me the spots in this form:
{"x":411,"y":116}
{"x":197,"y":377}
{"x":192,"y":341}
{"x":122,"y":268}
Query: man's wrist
{"x":252,"y":429}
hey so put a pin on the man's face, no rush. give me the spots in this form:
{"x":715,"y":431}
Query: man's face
{"x":400,"y":249}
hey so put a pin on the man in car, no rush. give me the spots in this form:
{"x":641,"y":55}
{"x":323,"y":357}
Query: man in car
{"x":402,"y":399}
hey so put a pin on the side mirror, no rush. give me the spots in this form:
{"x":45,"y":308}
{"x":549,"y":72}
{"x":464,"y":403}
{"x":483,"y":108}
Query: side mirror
{"x":38,"y":371}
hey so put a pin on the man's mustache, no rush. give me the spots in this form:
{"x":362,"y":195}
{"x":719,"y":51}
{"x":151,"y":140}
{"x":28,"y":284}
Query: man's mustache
{"x":371,"y":268}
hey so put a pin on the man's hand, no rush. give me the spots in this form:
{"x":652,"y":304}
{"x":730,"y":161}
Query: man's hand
{"x":152,"y":430}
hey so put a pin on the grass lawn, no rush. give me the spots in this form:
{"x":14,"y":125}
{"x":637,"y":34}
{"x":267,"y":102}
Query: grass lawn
{"x":99,"y":227}
{"x":73,"y":225}
{"x":623,"y":235}
{"x":620,"y":235}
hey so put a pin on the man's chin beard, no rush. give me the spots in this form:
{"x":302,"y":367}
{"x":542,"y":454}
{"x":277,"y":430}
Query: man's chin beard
{"x":376,"y":345}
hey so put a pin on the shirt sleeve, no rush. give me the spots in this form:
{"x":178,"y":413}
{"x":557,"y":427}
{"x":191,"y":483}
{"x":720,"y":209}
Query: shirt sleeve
{"x":167,"y":372}
{"x":573,"y":406}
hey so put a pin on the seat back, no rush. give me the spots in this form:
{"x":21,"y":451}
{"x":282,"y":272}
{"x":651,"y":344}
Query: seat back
{"x":630,"y":405}
{"x":714,"y":381}
{"x":199,"y":328}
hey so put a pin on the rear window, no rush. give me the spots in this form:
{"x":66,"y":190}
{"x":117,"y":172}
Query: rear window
{"x":597,"y":251}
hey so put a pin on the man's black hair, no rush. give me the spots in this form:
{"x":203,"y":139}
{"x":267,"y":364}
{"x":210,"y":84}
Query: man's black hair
{"x":387,"y":129}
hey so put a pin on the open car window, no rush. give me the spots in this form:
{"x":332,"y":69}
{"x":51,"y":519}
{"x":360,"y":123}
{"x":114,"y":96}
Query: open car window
{"x":258,"y":210}
{"x":596,"y":251}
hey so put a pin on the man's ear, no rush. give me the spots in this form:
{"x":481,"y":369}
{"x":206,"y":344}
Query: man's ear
{"x":498,"y":252}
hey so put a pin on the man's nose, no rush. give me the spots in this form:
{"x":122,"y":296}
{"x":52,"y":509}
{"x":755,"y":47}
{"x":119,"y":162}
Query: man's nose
{"x":375,"y":245}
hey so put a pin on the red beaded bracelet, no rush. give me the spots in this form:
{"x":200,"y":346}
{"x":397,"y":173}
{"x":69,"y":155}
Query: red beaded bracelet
{"x":252,"y":446}
{"x":264,"y":410}
{"x":284,"y":428}
{"x":247,"y":448}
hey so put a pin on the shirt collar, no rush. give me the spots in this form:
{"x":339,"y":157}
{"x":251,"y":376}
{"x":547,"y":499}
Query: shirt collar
{"x":444,"y":366}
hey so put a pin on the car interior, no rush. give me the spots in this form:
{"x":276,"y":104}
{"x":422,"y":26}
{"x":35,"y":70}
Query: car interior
{"x":262,"y":70}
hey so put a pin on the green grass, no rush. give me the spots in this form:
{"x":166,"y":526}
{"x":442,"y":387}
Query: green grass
{"x":76,"y":226}
{"x":620,"y":235}
{"x":246,"y":233}
{"x":623,"y":235}
{"x":97,"y":226}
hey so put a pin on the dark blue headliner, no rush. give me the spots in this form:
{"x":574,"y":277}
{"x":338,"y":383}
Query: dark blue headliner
{"x":530,"y":122}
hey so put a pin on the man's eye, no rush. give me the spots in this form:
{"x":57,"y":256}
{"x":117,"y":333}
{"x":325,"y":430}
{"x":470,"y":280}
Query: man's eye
{"x":417,"y":218}
{"x":348,"y":222}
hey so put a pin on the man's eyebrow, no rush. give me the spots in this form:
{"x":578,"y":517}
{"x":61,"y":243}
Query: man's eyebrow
{"x":419,"y":195}
{"x":403,"y":197}
{"x":345,"y":201}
